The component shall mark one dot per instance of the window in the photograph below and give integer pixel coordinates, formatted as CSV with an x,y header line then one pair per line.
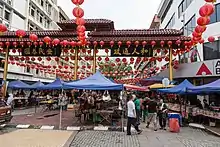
x,y
183,6
171,22
41,18
7,15
30,27
189,26
211,51
42,3
32,11
166,11
215,17
9,2
1,11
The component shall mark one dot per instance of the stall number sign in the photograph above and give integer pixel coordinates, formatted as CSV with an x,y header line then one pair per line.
x,y
43,50
132,51
217,68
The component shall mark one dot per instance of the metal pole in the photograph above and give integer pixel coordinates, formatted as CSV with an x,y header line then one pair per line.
x,y
76,64
94,60
122,117
5,72
61,106
170,65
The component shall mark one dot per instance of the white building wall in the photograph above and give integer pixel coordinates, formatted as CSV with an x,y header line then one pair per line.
x,y
193,9
20,5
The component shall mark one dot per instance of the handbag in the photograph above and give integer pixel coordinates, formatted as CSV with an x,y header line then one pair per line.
x,y
106,96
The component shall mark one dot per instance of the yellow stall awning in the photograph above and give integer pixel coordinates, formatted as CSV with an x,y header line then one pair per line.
x,y
158,86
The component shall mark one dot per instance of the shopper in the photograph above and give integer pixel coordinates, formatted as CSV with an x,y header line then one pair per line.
x,y
152,114
137,103
162,114
131,116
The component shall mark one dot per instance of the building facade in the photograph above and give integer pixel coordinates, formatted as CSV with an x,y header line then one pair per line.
x,y
183,14
29,15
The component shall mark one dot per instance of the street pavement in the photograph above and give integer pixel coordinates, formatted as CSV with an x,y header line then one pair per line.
x,y
188,137
34,138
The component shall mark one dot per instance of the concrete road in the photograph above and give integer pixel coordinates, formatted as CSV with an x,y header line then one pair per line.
x,y
34,138
188,137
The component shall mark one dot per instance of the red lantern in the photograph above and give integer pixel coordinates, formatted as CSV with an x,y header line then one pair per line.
x,y
178,42
39,59
20,33
119,43
107,59
211,39
117,60
101,43
33,37
162,43
111,43
202,21
128,43
80,21
206,10
132,59
158,51
78,12
3,28
56,59
210,1
56,42
99,58
144,43
124,60
81,28
78,2
137,43
153,43
47,40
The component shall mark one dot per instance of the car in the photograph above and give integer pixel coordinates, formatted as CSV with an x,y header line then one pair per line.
x,y
5,112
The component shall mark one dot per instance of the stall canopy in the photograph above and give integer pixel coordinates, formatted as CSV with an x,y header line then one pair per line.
x,y
158,86
211,87
94,82
37,85
18,85
178,89
55,85
134,87
151,80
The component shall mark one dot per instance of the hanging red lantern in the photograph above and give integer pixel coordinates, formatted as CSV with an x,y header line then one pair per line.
x,y
56,59
66,58
178,42
132,59
20,33
106,50
145,59
119,43
128,43
112,43
159,59
162,43
211,39
79,43
144,43
117,59
33,37
202,21
136,43
158,51
201,41
47,40
81,28
39,59
32,59
101,43
167,59
124,60
206,10
78,2
195,34
169,43
99,58
95,43
3,28
175,67
56,42
200,29
107,59
78,12
80,21
153,43
72,43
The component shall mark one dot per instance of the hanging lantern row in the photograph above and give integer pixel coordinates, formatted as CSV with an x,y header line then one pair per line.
x,y
210,1
205,12
78,12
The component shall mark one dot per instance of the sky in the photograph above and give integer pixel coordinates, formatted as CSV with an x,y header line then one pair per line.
x,y
127,14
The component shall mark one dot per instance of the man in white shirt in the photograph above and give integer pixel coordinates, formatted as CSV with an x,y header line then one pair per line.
x,y
131,116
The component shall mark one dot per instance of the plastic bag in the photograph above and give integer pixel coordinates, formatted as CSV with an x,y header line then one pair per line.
x,y
174,125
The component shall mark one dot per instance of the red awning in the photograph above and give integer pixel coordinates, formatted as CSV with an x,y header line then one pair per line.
x,y
133,87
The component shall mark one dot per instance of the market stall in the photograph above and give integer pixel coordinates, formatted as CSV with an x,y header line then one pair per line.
x,y
97,82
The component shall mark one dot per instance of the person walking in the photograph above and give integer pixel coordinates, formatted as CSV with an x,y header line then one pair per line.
x,y
137,103
152,114
145,108
162,114
131,116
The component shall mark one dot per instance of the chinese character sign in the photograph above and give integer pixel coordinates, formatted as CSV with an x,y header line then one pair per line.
x,y
43,50
132,51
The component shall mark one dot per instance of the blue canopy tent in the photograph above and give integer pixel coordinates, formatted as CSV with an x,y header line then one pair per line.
x,y
94,82
36,85
179,89
18,85
55,85
211,87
